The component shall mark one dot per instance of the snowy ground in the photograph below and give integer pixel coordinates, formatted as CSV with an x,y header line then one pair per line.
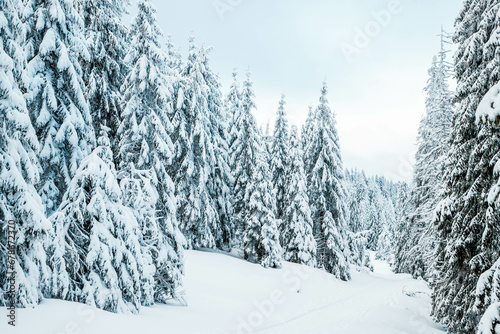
x,y
227,295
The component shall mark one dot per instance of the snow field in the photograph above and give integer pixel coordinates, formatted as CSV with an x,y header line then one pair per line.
x,y
227,295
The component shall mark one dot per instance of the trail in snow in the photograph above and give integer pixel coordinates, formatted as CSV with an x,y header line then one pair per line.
x,y
227,295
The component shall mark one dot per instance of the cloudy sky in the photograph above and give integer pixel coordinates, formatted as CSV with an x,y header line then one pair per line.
x,y
374,54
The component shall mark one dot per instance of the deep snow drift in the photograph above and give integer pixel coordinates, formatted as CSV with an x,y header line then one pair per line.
x,y
227,295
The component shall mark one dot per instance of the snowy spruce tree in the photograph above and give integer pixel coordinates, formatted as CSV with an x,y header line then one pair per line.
x,y
232,109
260,234
279,161
433,146
326,192
488,299
203,179
267,141
146,152
99,237
253,193
104,71
55,93
174,57
193,155
296,234
487,292
19,201
243,154
466,221
307,135
221,185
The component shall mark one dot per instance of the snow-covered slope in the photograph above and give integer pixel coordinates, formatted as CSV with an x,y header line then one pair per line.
x,y
227,295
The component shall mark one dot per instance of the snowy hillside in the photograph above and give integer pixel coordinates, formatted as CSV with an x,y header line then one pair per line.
x,y
228,295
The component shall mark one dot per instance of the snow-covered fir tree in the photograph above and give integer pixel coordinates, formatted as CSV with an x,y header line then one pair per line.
x,y
267,141
104,71
254,203
203,179
487,292
243,154
146,152
296,234
139,193
260,234
488,298
19,201
55,93
99,237
232,108
174,56
221,178
327,192
433,146
306,138
467,236
193,154
279,162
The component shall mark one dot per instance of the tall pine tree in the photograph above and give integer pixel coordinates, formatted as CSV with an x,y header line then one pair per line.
x,y
243,154
326,191
55,93
146,151
433,146
232,107
100,237
203,178
260,234
104,71
19,173
253,192
279,158
298,240
467,234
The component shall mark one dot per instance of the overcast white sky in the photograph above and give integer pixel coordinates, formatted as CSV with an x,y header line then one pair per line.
x,y
291,46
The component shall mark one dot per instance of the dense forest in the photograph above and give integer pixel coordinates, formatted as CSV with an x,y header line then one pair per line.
x,y
118,153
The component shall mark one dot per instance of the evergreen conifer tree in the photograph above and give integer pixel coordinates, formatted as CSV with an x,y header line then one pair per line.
x,y
104,71
56,95
298,240
433,146
327,192
146,152
279,161
19,201
467,237
203,178
99,237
